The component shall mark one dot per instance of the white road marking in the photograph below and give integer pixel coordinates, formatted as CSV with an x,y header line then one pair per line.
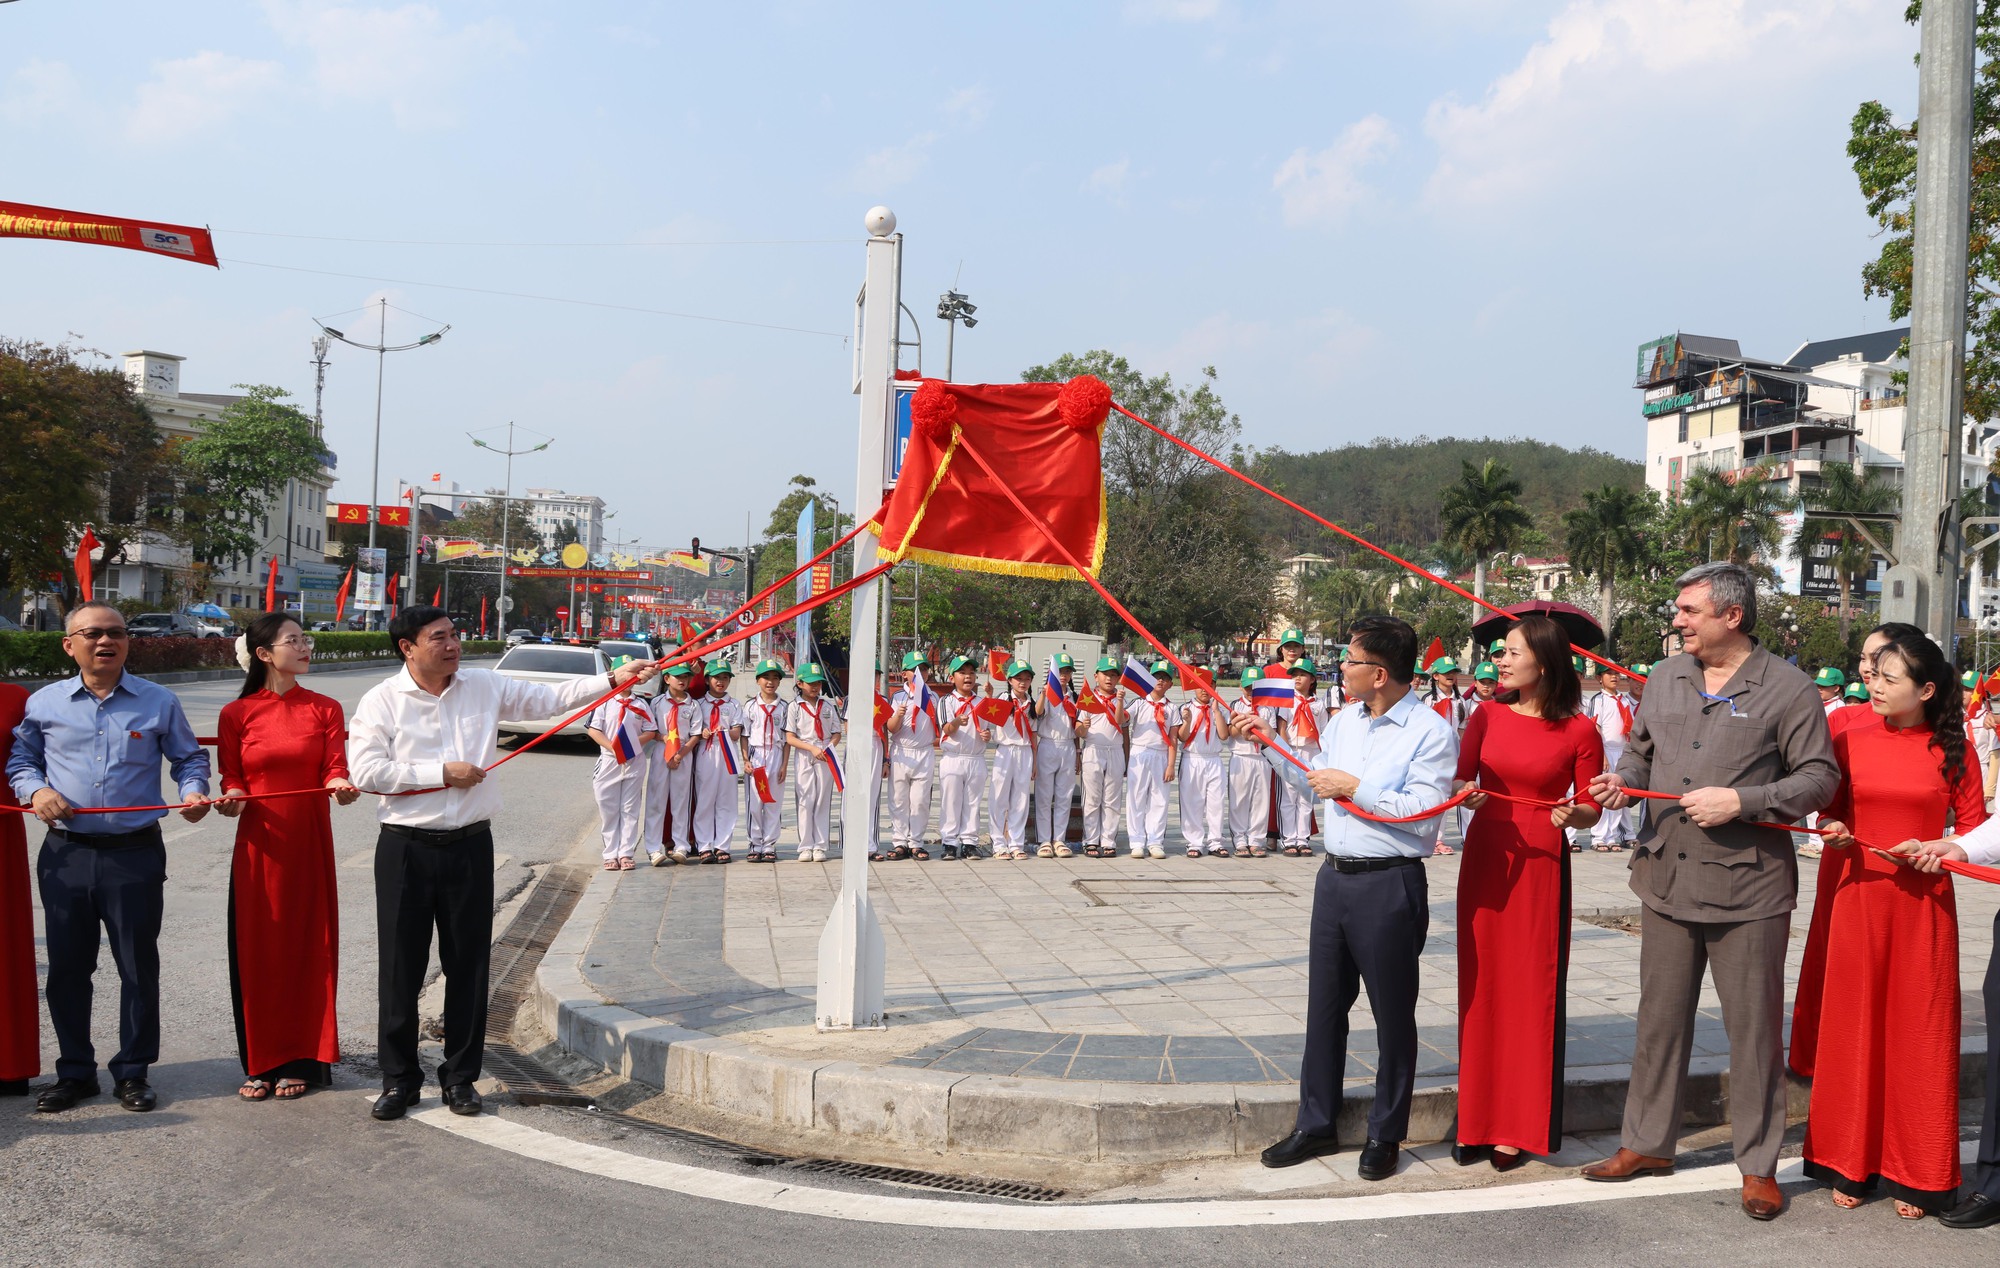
x,y
873,1208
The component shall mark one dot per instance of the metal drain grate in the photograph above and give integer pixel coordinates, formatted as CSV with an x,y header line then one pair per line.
x,y
1015,1189
516,955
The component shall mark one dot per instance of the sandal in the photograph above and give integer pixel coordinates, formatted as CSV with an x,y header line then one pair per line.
x,y
1046,851
1194,851
900,853
1259,852
919,853
704,856
1292,851
1444,849
1090,851
255,1090
722,856
1907,1212
611,865
1845,1201
624,865
290,1089
1605,849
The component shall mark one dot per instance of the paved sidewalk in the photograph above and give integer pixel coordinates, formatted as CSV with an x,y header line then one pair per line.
x,y
1185,977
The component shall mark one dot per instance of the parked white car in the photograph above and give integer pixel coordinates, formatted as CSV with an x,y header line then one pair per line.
x,y
552,663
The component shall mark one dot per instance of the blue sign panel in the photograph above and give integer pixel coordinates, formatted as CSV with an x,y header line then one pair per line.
x,y
899,441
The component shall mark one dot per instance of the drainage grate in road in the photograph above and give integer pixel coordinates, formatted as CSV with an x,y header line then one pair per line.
x,y
973,1185
516,955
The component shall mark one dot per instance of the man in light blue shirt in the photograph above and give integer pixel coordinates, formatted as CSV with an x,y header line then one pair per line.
x,y
98,740
1387,755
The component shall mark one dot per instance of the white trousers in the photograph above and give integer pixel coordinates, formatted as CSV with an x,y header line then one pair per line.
x,y
1055,781
814,784
714,799
1204,799
1146,798
1615,826
1249,798
1103,793
676,798
958,780
1294,816
1007,792
619,790
761,821
910,774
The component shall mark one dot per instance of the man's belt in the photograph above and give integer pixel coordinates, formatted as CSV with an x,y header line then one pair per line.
x,y
436,836
147,835
1349,866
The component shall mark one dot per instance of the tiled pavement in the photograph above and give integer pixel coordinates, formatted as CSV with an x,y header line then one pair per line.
x,y
1122,970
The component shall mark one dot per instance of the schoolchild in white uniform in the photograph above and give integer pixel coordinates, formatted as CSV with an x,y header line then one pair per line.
x,y
961,762
814,729
1204,791
718,765
1150,766
1013,776
1103,766
1612,709
765,718
677,716
1303,730
1055,766
622,728
913,738
1249,779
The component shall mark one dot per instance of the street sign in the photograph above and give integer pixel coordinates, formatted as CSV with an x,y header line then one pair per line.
x,y
562,612
899,442
506,604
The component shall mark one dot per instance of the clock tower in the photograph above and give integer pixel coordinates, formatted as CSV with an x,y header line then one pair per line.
x,y
154,373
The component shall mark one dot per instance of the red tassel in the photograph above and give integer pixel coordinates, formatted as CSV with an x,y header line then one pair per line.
x,y
934,412
1083,402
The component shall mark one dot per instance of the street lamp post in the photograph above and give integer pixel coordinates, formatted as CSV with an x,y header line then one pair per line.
x,y
381,348
506,500
954,308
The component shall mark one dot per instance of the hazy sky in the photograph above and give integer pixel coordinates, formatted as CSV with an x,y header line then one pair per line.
x,y
1453,217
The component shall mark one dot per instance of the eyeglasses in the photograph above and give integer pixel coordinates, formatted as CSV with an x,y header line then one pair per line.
x,y
1349,664
303,642
93,634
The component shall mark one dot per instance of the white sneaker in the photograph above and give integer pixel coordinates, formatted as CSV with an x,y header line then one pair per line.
x,y
658,858
819,855
1138,851
1157,851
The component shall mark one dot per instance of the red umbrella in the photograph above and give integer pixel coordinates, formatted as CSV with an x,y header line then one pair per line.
x,y
1580,626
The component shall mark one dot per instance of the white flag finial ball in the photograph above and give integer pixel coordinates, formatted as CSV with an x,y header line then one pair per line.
x,y
881,222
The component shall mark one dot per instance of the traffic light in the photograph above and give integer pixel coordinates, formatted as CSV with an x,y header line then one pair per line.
x,y
694,548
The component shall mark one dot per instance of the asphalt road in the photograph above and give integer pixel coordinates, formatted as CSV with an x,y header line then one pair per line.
x,y
209,1179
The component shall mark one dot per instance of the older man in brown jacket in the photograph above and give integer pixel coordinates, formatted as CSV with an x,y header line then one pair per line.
x,y
1739,737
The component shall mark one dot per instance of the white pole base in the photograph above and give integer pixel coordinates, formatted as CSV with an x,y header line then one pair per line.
x,y
851,966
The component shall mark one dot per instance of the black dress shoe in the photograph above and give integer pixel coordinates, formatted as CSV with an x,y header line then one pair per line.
x,y
1378,1159
13,1087
136,1095
1467,1155
1298,1147
392,1103
1977,1211
1507,1162
64,1094
463,1098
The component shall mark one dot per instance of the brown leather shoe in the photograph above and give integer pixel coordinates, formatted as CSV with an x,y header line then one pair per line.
x,y
1626,1165
1762,1199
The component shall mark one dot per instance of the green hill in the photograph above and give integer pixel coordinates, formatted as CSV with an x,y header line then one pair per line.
x,y
1387,490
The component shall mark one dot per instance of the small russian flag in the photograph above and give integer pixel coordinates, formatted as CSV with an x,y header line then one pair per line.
x,y
1052,687
926,699
623,749
728,751
1137,679
1274,691
833,764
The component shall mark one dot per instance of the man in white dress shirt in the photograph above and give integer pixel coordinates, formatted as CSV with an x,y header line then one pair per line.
x,y
435,726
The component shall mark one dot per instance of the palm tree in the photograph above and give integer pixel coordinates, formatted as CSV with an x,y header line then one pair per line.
x,y
1854,490
1342,595
1482,514
1734,519
1605,537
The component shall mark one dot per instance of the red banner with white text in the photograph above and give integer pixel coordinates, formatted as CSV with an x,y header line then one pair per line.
x,y
183,242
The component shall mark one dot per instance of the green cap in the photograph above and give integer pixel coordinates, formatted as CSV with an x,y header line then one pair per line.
x,y
1063,661
683,670
768,666
1292,636
1968,680
1343,651
811,672
958,663
1643,669
915,660
720,669
1108,665
1251,677
1497,645
1017,667
1163,669
619,662
1856,691
1304,665
1577,661
1829,676
1444,665
1486,671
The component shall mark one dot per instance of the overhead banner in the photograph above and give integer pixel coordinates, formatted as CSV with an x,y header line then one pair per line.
x,y
184,242
639,577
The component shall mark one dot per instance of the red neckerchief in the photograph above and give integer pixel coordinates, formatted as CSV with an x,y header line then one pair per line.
x,y
1205,728
812,709
1160,719
770,721
715,717
1624,714
1020,718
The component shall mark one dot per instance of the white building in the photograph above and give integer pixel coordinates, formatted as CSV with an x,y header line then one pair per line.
x,y
292,529
549,509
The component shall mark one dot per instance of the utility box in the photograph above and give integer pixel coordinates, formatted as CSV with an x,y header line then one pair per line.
x,y
1905,590
1036,648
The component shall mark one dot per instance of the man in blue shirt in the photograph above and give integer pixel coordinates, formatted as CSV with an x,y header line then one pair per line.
x,y
97,740
1388,754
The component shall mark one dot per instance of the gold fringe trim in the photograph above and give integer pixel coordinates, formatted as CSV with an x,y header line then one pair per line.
x,y
1005,567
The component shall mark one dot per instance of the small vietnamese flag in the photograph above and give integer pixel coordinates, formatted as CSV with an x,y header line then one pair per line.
x,y
340,599
85,581
763,783
1432,654
395,588
882,715
1087,700
996,664
994,710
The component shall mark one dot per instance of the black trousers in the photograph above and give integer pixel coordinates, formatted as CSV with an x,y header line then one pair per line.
x,y
1367,927
118,884
1985,1177
418,886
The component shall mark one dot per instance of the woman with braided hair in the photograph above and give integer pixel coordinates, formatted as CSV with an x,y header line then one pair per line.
x,y
1885,1069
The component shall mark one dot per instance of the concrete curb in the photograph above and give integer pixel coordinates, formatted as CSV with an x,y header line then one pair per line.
x,y
1049,1118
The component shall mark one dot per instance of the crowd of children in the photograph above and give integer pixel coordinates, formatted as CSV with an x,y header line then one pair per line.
x,y
1000,761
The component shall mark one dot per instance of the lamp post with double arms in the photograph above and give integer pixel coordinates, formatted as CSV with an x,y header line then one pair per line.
x,y
507,498
954,308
